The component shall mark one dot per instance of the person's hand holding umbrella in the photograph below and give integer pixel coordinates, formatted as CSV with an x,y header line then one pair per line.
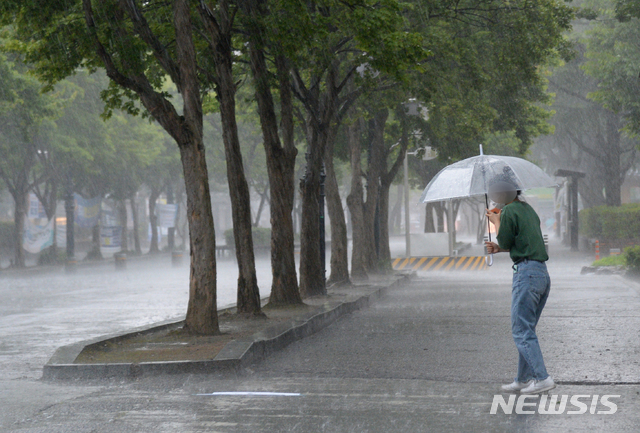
x,y
494,218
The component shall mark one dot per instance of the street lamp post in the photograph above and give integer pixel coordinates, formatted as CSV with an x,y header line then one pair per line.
x,y
407,218
428,155
413,108
323,248
450,226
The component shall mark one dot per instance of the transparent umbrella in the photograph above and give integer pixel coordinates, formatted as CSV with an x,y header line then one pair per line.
x,y
470,177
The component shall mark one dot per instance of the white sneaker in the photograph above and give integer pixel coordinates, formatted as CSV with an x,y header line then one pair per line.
x,y
516,386
539,386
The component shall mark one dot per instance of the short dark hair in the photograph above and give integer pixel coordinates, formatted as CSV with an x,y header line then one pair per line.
x,y
507,178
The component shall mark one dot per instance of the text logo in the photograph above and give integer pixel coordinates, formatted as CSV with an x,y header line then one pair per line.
x,y
555,404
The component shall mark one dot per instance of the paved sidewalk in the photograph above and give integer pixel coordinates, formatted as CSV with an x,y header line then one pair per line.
x,y
427,358
456,327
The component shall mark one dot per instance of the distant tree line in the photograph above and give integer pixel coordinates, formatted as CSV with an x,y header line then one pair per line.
x,y
597,101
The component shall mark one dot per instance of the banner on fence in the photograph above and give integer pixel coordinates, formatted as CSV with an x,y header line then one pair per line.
x,y
110,239
87,212
37,237
36,209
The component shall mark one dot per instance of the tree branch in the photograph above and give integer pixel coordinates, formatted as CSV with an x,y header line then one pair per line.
x,y
10,186
570,92
581,145
160,52
388,177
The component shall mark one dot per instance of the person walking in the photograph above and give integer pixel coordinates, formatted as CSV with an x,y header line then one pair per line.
x,y
518,233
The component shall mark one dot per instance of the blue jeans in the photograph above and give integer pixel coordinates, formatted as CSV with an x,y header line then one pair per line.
x,y
531,285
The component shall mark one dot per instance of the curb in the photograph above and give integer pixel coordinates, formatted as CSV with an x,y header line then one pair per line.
x,y
234,356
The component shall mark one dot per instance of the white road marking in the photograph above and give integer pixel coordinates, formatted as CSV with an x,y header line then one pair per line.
x,y
252,393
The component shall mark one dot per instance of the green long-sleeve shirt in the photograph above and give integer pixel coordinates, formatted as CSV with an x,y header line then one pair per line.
x,y
520,233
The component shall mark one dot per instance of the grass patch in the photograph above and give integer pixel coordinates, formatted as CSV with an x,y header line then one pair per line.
x,y
618,260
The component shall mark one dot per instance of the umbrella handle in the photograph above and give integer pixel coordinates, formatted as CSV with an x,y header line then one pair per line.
x,y
488,260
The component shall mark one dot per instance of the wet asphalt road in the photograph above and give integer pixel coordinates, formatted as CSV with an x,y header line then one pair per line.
x,y
428,357
41,310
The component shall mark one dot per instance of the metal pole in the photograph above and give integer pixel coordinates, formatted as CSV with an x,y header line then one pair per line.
x,y
407,218
322,234
450,227
376,227
574,213
69,206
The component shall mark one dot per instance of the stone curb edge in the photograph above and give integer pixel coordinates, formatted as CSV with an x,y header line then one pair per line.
x,y
235,355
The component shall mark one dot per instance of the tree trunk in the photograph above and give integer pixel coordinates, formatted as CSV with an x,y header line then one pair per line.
x,y
295,214
608,141
312,278
395,216
284,288
153,220
219,25
182,228
136,222
439,208
19,216
69,208
612,159
263,200
384,252
202,316
376,166
248,292
281,169
322,107
187,131
386,179
429,226
455,208
613,189
171,231
122,216
339,257
51,209
49,202
355,203
95,253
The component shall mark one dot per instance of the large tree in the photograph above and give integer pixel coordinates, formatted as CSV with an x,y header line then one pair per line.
x,y
139,46
278,140
218,19
327,43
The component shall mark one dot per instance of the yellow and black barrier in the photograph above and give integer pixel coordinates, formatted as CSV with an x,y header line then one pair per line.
x,y
469,263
